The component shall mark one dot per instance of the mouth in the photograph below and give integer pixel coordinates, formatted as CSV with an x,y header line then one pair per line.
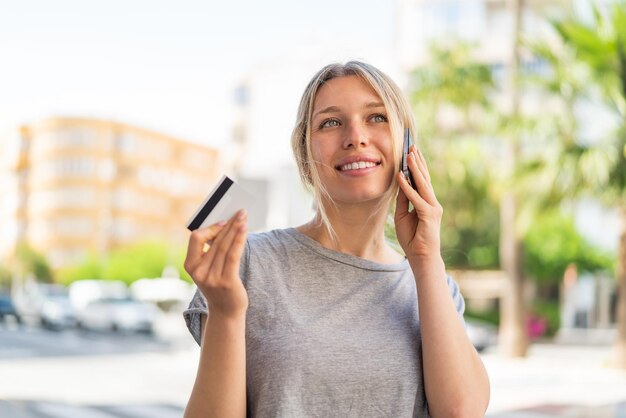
x,y
357,165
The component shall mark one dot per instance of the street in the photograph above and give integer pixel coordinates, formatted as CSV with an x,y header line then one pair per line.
x,y
77,374
74,374
556,381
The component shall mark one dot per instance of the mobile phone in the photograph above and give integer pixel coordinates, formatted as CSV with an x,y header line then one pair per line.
x,y
404,164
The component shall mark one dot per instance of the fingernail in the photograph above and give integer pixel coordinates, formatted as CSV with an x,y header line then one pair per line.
x,y
241,214
221,223
412,155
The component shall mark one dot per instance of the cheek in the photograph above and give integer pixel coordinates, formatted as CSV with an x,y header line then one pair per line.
x,y
321,156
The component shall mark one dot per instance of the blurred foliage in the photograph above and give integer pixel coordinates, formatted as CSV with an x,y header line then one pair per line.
x,y
451,99
490,316
131,263
29,261
470,224
459,105
586,66
90,268
451,95
553,242
135,262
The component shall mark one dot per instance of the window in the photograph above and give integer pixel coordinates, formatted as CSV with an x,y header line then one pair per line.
x,y
75,226
68,138
197,159
137,201
81,167
126,143
68,197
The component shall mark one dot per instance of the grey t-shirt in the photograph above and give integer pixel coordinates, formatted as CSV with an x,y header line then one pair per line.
x,y
327,334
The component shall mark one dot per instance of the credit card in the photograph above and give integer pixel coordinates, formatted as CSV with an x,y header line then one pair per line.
x,y
221,204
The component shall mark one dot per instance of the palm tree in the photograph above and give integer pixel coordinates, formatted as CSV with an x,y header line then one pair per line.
x,y
589,63
513,338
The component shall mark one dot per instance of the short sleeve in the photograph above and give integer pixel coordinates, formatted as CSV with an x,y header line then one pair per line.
x,y
198,305
457,297
193,315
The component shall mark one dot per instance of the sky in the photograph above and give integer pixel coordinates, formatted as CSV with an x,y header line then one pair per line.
x,y
163,65
172,66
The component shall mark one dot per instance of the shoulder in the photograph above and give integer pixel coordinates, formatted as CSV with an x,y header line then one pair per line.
x,y
271,248
276,239
260,238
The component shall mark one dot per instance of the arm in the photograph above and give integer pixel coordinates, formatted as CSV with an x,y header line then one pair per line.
x,y
456,382
220,386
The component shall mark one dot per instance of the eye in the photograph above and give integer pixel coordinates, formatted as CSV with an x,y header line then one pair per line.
x,y
378,118
329,123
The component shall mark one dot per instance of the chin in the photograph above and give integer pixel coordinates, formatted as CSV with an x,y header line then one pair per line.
x,y
359,198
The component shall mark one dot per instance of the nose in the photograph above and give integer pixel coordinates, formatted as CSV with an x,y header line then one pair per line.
x,y
355,136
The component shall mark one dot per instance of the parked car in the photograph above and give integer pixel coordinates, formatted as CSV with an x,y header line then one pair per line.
x,y
167,292
44,304
118,314
7,310
83,292
57,313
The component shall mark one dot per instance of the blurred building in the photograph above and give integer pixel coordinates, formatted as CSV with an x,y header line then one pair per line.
x,y
74,186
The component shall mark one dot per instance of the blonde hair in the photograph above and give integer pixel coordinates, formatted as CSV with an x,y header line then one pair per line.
x,y
399,116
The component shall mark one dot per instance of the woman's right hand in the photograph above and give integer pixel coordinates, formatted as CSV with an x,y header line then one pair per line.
x,y
216,271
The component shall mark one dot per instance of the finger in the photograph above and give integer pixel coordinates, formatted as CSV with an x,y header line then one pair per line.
x,y
197,239
231,268
410,193
413,155
223,251
201,271
423,185
402,202
209,258
422,161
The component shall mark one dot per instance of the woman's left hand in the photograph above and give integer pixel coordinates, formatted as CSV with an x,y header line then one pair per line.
x,y
418,231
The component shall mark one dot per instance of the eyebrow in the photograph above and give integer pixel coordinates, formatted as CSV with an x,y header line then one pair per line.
x,y
335,109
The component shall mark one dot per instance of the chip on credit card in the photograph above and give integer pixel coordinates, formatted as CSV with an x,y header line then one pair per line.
x,y
226,198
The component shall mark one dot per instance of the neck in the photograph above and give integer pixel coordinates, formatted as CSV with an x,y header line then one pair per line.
x,y
359,230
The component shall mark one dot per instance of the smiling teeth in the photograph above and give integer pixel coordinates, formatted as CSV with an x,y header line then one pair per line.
x,y
356,166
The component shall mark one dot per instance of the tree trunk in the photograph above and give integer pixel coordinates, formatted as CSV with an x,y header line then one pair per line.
x,y
513,340
620,273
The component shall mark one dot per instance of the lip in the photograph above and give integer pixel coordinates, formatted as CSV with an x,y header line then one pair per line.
x,y
358,158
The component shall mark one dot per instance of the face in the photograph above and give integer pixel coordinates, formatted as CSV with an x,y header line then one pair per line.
x,y
351,141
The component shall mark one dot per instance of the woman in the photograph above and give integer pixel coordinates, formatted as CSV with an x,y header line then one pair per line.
x,y
326,319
